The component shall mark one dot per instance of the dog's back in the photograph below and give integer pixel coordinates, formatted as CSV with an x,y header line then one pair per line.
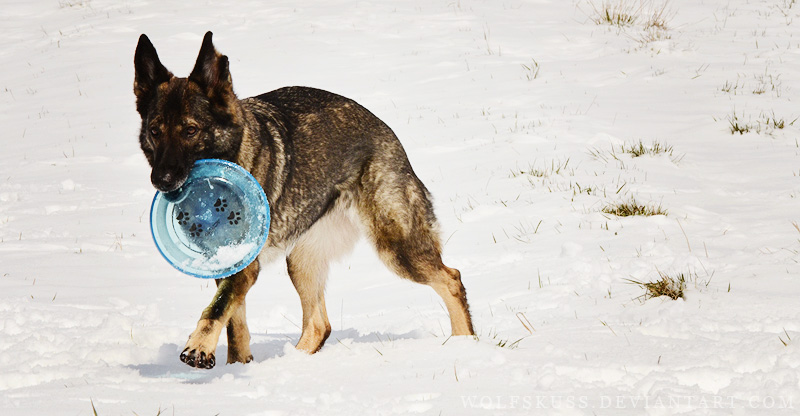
x,y
323,144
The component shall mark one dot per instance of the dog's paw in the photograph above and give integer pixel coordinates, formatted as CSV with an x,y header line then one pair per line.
x,y
199,349
199,360
236,358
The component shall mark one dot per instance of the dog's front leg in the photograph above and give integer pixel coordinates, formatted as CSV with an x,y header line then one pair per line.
x,y
231,291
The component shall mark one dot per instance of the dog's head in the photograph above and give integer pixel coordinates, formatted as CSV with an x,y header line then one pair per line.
x,y
185,119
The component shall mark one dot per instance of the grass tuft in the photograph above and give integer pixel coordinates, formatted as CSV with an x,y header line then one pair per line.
x,y
774,123
766,123
670,286
636,149
621,13
557,167
631,208
730,87
651,16
737,126
658,17
640,149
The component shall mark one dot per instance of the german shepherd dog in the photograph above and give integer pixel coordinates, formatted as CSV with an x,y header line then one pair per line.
x,y
331,170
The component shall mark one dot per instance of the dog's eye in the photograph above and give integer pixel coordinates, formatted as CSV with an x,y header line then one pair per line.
x,y
155,132
191,131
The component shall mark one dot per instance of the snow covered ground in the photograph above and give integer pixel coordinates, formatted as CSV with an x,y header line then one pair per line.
x,y
513,113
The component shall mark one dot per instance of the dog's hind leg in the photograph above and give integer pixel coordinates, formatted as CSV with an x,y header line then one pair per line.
x,y
227,309
396,210
424,265
447,284
330,237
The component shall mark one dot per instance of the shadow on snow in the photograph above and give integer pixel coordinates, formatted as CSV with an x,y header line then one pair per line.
x,y
263,347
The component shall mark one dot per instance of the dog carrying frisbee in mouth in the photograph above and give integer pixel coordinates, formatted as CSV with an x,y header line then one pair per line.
x,y
330,169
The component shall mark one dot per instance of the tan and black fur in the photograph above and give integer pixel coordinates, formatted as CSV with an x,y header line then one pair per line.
x,y
331,170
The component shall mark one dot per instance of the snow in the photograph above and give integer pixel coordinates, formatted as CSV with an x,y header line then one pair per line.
x,y
223,258
90,313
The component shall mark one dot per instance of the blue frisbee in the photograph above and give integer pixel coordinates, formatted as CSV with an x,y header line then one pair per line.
x,y
215,224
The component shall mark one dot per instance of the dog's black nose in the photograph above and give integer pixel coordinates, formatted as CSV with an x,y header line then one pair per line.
x,y
166,181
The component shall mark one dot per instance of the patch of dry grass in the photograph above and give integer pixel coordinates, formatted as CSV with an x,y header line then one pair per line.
x,y
631,208
672,287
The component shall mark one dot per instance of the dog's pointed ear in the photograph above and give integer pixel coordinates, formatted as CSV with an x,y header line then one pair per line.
x,y
150,73
211,69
